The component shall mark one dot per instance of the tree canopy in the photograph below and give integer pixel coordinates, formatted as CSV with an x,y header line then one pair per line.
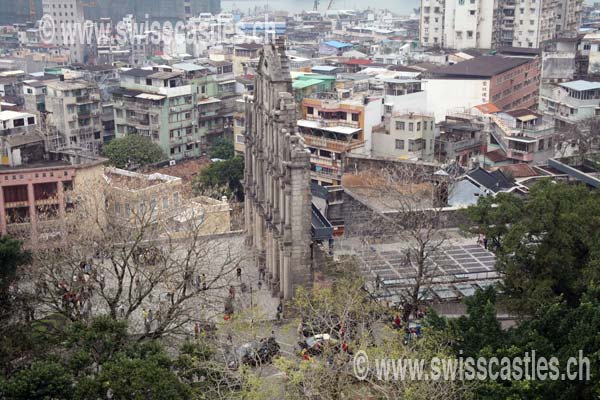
x,y
222,178
222,148
555,330
132,150
547,247
92,359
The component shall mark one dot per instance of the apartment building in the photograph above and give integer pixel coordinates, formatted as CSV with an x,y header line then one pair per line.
x,y
570,103
34,96
470,24
161,105
211,120
68,14
432,23
220,85
507,82
463,24
462,136
521,136
331,127
407,136
73,110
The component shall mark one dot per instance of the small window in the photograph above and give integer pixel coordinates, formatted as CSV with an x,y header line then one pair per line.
x,y
399,144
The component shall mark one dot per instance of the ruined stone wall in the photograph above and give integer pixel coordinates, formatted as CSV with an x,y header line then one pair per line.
x,y
277,178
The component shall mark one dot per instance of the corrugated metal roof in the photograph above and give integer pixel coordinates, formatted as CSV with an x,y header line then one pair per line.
x,y
337,44
189,67
301,84
581,85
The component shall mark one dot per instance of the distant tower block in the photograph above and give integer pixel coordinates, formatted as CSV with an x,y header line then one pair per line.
x,y
277,178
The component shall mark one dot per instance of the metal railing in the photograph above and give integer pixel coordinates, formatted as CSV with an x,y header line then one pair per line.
x,y
332,122
464,144
331,144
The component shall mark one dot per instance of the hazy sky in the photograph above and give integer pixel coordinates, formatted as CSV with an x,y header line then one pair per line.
x,y
398,6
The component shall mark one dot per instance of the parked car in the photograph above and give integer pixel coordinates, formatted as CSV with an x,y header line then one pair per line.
x,y
314,345
256,353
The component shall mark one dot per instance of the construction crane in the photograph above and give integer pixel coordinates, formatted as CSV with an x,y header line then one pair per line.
x,y
316,5
329,5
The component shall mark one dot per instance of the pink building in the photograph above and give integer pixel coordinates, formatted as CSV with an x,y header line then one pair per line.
x,y
34,198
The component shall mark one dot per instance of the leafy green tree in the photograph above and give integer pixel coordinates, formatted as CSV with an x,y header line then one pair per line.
x,y
222,178
132,150
12,256
42,380
554,330
547,247
96,343
480,328
134,378
222,148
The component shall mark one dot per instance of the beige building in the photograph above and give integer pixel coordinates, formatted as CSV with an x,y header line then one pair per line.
x,y
135,198
242,54
406,136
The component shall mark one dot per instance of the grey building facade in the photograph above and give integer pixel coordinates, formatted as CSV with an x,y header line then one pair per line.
x,y
277,178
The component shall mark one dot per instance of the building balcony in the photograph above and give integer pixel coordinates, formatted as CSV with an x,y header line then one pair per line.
x,y
207,115
138,120
325,173
322,122
227,111
461,145
338,146
542,131
88,98
136,106
326,162
215,131
520,155
88,114
179,139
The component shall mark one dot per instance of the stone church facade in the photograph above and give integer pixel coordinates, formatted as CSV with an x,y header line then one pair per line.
x,y
277,178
